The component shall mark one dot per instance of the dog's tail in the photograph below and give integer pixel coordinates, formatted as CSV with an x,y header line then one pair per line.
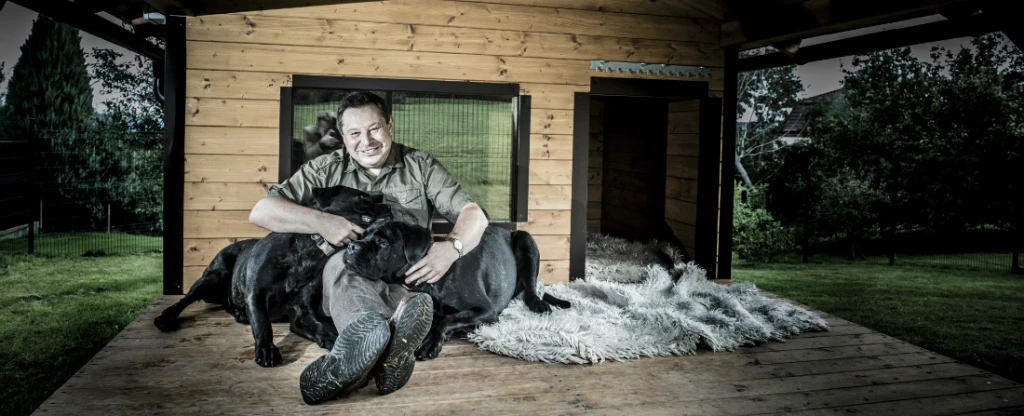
x,y
527,255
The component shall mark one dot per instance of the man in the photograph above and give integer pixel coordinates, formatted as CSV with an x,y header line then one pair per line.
x,y
321,138
368,313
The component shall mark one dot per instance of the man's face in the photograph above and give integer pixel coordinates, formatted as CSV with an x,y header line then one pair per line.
x,y
367,135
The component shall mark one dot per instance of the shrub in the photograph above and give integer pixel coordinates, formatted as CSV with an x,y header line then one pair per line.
x,y
756,235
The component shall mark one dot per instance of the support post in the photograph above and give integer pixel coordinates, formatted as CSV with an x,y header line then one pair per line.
x,y
174,154
729,103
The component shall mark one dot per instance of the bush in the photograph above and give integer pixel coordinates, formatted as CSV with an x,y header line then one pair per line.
x,y
756,235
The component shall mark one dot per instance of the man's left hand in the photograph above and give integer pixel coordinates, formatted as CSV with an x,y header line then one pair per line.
x,y
434,265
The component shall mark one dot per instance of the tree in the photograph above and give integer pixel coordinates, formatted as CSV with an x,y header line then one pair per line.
x,y
764,99
123,158
49,86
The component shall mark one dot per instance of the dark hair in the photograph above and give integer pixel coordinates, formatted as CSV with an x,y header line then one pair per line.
x,y
360,99
326,116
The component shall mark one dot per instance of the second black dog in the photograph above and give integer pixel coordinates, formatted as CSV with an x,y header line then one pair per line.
x,y
277,277
473,292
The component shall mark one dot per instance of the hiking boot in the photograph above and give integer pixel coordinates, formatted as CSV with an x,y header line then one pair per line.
x,y
347,367
409,325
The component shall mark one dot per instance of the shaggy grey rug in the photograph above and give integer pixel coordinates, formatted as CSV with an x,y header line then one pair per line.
x,y
641,300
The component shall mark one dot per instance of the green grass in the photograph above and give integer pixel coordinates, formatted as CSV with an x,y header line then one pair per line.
x,y
973,316
56,313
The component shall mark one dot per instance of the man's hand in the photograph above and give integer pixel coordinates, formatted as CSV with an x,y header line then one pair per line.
x,y
338,231
329,141
434,265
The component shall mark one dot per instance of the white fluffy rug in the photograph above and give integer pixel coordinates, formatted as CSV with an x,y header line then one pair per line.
x,y
633,305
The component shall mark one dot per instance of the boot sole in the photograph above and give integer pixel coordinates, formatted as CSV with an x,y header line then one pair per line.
x,y
347,366
412,321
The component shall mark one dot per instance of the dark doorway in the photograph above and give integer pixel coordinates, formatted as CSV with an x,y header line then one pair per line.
x,y
632,197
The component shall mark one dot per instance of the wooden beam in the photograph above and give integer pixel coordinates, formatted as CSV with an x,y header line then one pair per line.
x,y
70,14
928,32
174,155
819,17
790,48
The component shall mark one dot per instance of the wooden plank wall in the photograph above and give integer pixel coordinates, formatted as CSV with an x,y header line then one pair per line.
x,y
237,63
681,171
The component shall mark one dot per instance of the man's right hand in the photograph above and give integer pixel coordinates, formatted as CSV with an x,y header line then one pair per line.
x,y
339,231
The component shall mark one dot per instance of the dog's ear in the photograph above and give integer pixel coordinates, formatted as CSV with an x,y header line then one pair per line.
x,y
322,196
417,242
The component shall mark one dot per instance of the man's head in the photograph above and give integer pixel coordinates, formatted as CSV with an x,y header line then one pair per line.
x,y
365,123
325,121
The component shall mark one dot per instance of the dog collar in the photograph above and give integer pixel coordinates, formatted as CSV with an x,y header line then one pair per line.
x,y
323,245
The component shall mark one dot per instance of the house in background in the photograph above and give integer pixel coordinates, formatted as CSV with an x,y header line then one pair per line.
x,y
797,128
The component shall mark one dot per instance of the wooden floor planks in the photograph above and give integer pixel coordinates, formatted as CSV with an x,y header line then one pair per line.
x,y
206,367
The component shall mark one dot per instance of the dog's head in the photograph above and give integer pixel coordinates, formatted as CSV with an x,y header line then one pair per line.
x,y
387,250
357,206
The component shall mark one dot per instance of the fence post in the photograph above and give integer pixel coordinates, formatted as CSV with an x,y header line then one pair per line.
x,y
1015,263
108,218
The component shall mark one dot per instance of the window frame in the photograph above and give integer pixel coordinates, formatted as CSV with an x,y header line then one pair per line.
x,y
519,182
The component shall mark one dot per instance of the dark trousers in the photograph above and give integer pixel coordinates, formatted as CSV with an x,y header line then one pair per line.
x,y
348,296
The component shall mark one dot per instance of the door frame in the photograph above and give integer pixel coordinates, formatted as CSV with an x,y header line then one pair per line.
x,y
623,87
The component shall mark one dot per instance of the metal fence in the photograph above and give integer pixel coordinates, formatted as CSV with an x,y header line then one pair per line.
x,y
472,136
81,192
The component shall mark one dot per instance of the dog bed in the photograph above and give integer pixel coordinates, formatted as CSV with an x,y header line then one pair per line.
x,y
641,299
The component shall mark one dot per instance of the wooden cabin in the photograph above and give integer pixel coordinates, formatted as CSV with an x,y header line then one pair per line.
x,y
240,67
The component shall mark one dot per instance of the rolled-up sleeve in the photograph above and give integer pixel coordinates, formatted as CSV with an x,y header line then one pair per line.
x,y
299,187
444,192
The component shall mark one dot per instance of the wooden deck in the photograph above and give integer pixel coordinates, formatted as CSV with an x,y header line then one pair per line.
x,y
206,368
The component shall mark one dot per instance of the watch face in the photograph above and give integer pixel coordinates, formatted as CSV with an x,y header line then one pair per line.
x,y
458,244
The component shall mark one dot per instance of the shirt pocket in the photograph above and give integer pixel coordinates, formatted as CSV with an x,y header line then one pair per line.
x,y
409,204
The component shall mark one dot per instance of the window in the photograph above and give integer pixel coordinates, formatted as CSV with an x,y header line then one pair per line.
x,y
478,131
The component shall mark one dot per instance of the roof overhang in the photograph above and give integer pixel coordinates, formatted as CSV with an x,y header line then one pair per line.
x,y
787,24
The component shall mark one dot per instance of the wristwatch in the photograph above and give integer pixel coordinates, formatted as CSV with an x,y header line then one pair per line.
x,y
457,244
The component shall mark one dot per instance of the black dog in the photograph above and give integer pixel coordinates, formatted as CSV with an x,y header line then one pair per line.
x,y
279,276
473,292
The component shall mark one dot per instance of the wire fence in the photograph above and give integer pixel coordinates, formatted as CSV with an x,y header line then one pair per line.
x,y
84,191
472,136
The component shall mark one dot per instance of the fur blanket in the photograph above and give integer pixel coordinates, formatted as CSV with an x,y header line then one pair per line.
x,y
641,300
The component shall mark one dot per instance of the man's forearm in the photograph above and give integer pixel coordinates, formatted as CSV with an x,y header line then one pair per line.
x,y
284,216
470,226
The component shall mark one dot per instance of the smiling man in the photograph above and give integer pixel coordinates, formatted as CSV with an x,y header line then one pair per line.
x,y
380,325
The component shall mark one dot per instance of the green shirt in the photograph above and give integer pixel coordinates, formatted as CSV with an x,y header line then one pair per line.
x,y
412,181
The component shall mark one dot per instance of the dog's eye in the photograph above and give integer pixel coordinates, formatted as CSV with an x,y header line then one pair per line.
x,y
367,219
382,243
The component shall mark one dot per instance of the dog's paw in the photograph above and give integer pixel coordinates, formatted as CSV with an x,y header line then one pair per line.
x,y
166,323
268,356
538,306
556,302
326,342
431,347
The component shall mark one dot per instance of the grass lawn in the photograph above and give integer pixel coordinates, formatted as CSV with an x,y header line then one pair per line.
x,y
973,316
56,313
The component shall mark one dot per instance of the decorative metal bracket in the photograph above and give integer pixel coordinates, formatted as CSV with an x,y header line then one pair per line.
x,y
653,69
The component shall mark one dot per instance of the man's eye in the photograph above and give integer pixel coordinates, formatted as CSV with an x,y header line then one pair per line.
x,y
374,130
